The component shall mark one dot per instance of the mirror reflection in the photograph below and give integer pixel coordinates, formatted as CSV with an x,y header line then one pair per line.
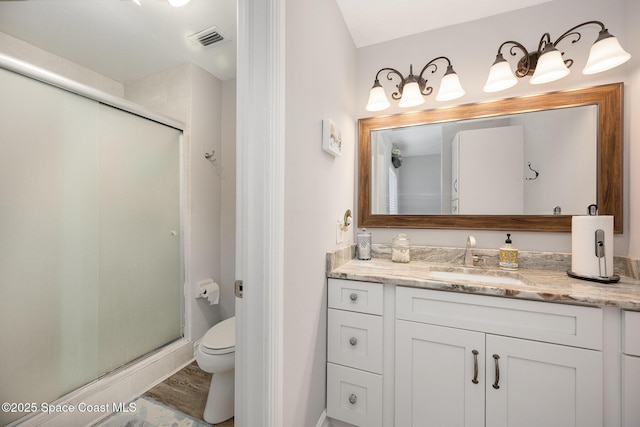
x,y
556,168
534,163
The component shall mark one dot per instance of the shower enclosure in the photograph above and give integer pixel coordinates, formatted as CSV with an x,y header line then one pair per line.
x,y
91,268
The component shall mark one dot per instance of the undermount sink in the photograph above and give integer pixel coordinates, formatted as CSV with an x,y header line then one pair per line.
x,y
475,277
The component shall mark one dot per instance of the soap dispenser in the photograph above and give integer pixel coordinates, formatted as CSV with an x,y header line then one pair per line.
x,y
508,255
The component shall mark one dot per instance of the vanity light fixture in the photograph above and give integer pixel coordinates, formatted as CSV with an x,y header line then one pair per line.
x,y
412,89
547,63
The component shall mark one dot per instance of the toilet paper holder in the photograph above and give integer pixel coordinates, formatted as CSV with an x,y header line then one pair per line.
x,y
209,290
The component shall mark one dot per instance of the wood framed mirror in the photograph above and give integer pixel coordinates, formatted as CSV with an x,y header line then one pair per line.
x,y
608,162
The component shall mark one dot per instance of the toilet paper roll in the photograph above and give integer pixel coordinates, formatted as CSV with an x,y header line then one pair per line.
x,y
584,260
210,290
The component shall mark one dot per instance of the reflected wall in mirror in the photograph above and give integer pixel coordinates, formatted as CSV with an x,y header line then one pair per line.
x,y
524,163
535,163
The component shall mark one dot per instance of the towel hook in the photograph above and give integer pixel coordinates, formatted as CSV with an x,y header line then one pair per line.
x,y
534,171
210,156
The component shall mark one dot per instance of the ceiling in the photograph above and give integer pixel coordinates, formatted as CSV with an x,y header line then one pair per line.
x,y
126,41
377,21
123,40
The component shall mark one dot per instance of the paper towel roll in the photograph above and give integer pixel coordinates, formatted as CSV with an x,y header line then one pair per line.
x,y
584,260
210,290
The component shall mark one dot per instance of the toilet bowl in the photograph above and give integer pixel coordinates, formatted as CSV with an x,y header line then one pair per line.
x,y
216,354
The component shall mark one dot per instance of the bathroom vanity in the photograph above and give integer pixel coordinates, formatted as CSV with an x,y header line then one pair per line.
x,y
429,344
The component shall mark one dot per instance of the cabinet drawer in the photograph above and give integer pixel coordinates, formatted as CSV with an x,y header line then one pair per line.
x,y
354,396
363,297
554,323
631,332
355,339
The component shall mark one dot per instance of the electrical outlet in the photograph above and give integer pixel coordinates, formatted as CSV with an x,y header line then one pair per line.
x,y
339,233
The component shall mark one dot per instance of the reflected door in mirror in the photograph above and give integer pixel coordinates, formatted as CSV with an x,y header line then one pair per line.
x,y
487,171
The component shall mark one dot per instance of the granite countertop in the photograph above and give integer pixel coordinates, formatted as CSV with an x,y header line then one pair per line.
x,y
532,284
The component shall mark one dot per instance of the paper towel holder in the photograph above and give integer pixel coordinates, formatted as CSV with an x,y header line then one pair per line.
x,y
599,249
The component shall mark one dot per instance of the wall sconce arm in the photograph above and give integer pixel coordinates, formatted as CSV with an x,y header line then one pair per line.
x,y
422,81
390,74
573,32
527,62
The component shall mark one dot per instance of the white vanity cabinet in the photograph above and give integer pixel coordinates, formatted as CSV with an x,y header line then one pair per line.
x,y
631,369
470,360
355,352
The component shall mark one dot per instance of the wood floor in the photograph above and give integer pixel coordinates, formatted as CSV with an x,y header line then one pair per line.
x,y
186,391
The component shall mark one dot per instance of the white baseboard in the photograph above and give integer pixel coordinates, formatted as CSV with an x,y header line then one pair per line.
x,y
330,422
325,421
115,389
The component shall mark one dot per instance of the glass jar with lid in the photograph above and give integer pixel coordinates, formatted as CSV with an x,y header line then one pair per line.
x,y
363,245
400,251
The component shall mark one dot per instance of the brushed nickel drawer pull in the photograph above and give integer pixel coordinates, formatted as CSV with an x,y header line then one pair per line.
x,y
353,341
353,399
353,297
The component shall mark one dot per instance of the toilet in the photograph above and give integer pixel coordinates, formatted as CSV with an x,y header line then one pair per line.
x,y
216,354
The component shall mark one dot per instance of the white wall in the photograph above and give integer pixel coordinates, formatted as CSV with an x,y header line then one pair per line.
x,y
472,48
573,163
320,82
33,55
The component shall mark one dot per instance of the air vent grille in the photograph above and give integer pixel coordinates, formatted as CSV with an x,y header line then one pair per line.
x,y
208,37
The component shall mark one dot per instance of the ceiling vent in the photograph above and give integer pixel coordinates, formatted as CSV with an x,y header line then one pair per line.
x,y
208,37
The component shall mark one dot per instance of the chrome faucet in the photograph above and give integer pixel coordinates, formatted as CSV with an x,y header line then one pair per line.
x,y
468,253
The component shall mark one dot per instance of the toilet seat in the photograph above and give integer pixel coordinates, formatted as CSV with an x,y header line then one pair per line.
x,y
221,338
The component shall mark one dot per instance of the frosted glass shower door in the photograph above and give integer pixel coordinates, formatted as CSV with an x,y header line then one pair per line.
x,y
48,241
91,262
140,272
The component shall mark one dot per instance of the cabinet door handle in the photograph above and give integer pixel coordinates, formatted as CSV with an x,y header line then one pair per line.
x,y
475,367
353,399
353,341
495,384
353,297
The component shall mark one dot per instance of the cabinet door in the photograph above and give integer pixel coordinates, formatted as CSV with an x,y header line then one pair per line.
x,y
535,384
630,391
439,376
